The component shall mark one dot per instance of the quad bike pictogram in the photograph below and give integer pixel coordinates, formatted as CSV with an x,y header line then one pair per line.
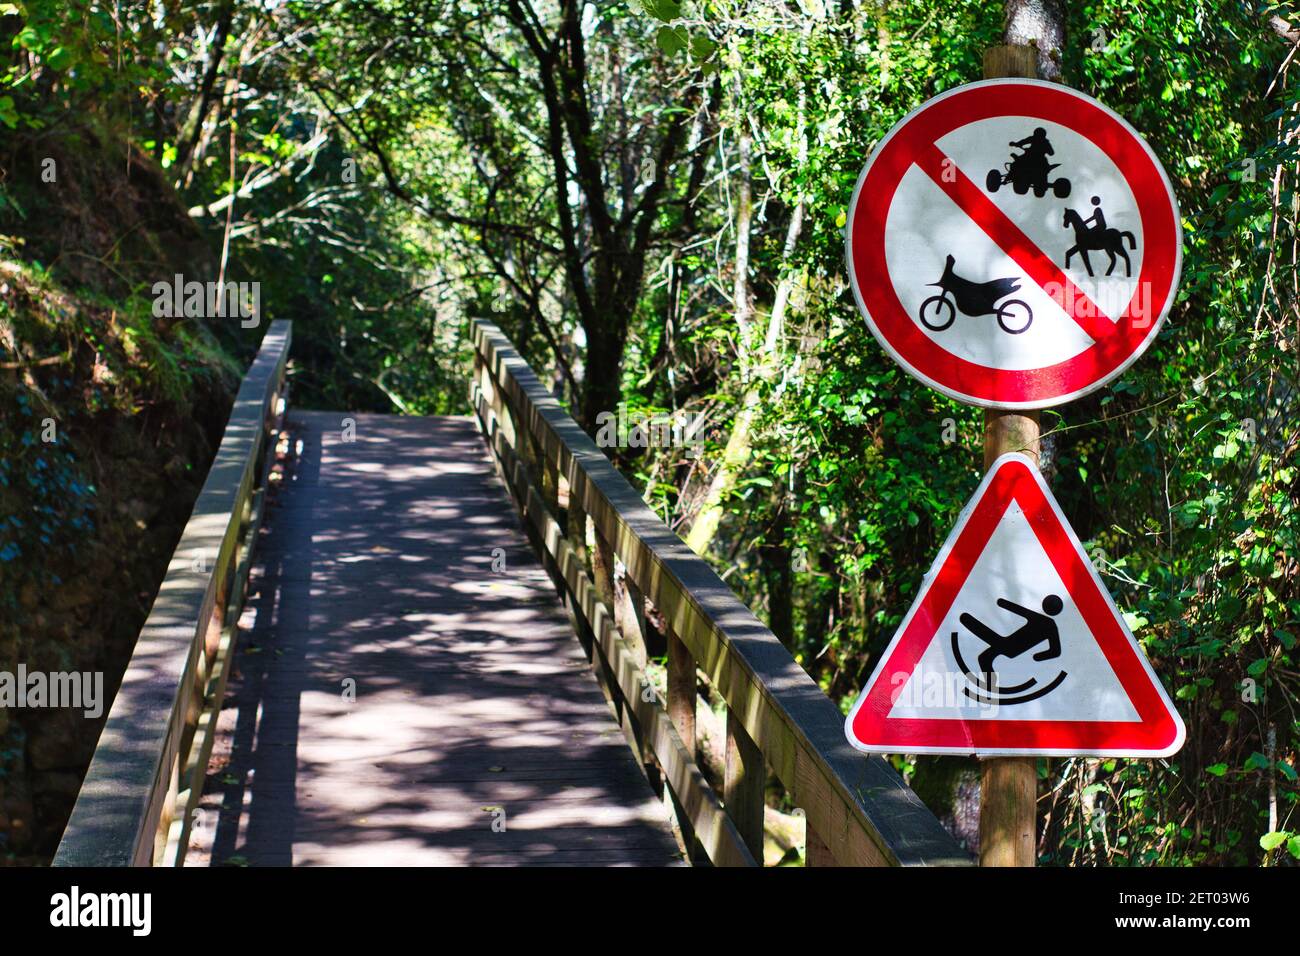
x,y
1029,169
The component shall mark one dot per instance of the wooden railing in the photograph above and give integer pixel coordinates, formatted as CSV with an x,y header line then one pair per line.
x,y
857,810
137,802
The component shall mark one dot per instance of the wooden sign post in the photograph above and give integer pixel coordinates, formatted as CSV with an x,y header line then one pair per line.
x,y
1009,785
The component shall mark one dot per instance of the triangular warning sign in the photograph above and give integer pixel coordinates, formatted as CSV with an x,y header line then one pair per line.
x,y
1014,646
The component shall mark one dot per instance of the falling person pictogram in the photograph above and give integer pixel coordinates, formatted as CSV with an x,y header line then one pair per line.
x,y
1039,628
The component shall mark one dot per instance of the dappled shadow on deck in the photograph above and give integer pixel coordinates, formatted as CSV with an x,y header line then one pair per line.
x,y
473,704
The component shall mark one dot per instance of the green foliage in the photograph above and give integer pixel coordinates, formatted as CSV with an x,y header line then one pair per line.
x,y
1181,476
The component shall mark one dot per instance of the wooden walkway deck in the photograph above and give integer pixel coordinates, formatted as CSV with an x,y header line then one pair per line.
x,y
473,703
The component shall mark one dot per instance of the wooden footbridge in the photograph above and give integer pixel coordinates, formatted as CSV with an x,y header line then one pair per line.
x,y
376,641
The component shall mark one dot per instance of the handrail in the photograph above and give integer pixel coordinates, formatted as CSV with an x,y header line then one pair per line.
x,y
857,809
153,752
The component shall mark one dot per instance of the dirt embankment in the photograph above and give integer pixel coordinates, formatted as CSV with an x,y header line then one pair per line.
x,y
109,418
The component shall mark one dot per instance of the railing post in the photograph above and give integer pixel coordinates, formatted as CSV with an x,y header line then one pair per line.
x,y
476,380
681,689
576,520
629,616
681,711
549,478
602,566
602,575
602,569
746,777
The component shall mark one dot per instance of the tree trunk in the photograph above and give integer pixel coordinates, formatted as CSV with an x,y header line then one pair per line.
x,y
775,556
187,147
754,375
740,441
602,386
1040,24
740,296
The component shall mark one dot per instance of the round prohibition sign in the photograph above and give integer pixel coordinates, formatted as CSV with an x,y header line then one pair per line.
x,y
1023,316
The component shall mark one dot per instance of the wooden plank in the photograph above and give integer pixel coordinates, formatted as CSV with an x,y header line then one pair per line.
x,y
875,816
134,772
815,851
470,692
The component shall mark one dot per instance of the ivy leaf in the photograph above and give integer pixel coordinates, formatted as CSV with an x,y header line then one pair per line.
x,y
1134,621
702,47
27,38
664,10
671,40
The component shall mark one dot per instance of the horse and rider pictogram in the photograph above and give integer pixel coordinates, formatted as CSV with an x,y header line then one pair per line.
x,y
1092,235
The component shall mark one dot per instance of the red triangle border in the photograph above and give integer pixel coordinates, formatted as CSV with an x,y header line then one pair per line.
x,y
1159,731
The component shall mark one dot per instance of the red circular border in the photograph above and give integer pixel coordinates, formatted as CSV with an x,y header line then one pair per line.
x,y
890,321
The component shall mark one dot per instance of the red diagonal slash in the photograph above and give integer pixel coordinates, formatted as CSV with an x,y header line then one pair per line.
x,y
999,227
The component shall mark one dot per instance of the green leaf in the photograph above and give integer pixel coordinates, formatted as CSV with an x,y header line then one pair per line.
x,y
671,40
1256,761
1293,846
1218,769
1271,841
702,47
664,10
60,58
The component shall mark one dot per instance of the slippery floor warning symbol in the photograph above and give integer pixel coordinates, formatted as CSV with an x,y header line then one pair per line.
x,y
1014,645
